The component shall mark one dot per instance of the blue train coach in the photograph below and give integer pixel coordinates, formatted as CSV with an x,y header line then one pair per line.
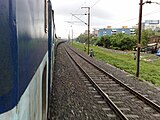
x,y
26,55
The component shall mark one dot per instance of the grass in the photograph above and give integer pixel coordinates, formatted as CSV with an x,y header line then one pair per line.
x,y
149,64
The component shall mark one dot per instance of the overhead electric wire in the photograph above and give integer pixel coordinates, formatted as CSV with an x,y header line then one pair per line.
x,y
85,3
153,12
86,11
79,19
80,7
78,10
95,3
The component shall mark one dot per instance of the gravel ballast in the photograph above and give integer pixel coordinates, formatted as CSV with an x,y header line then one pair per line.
x,y
145,88
71,99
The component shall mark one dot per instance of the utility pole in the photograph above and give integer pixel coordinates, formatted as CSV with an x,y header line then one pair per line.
x,y
69,37
139,37
71,22
139,32
72,34
88,27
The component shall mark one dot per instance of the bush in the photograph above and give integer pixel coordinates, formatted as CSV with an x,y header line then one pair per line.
x,y
123,41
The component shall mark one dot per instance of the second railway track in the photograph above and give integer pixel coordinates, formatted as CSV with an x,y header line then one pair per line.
x,y
126,103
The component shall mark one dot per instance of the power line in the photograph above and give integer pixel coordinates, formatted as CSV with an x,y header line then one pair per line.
x,y
84,5
153,12
95,3
90,7
79,9
80,5
78,18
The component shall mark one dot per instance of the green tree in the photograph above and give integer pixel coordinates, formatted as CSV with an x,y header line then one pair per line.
x,y
146,34
93,40
99,42
82,38
127,42
104,41
116,40
122,41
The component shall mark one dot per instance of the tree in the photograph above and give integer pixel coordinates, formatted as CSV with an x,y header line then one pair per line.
x,y
82,38
104,41
99,42
127,42
93,40
122,41
146,34
116,40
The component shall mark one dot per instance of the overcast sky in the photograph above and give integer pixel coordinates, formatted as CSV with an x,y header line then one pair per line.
x,y
115,13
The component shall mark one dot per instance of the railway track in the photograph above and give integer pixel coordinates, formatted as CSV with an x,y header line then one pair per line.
x,y
126,103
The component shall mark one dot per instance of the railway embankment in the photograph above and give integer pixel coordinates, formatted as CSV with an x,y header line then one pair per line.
x,y
72,98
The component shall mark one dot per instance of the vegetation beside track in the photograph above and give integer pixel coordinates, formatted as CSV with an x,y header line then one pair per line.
x,y
149,65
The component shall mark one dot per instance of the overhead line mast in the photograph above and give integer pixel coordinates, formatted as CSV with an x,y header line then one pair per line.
x,y
139,33
88,27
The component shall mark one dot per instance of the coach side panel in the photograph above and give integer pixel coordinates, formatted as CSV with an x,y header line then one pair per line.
x,y
24,58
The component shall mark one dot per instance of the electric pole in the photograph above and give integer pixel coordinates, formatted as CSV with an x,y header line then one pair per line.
x,y
139,37
88,27
139,32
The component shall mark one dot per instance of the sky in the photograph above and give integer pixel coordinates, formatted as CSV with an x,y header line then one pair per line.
x,y
115,13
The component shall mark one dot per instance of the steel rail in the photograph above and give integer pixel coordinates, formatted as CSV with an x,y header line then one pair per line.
x,y
138,95
100,91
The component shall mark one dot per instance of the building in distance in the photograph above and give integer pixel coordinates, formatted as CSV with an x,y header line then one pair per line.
x,y
152,24
111,31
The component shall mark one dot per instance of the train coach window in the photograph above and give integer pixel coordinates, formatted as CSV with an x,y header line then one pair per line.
x,y
45,16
